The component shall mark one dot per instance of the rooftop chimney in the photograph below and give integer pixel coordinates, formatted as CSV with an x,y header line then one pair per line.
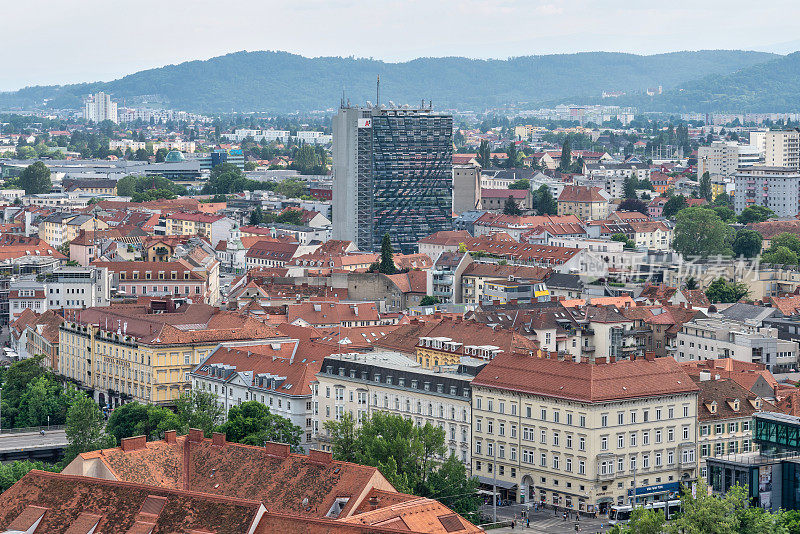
x,y
170,436
196,435
218,439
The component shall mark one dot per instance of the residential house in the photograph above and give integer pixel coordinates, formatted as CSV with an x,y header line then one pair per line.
x,y
587,203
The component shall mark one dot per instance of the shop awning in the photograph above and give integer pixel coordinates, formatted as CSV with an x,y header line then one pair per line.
x,y
488,481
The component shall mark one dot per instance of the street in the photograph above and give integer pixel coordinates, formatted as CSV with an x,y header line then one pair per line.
x,y
544,521
32,440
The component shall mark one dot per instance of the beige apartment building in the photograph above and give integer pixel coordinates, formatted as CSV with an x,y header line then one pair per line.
x,y
782,149
584,436
389,382
145,351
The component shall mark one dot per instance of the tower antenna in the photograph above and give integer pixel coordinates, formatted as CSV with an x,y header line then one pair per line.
x,y
378,93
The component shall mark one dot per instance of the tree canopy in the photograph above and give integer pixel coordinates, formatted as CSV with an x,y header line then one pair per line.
x,y
721,290
252,423
700,232
35,179
413,458
746,243
633,204
674,205
756,213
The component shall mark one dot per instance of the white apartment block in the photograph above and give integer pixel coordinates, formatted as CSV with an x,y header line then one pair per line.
x,y
718,159
712,338
271,372
314,138
270,135
777,188
389,382
65,287
782,149
99,108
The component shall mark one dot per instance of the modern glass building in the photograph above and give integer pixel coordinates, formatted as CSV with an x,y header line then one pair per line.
x,y
392,174
770,474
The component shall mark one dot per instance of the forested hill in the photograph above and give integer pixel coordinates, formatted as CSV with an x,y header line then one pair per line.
x,y
282,82
773,86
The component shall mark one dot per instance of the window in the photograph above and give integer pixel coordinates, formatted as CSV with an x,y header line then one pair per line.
x,y
621,418
490,427
604,420
569,419
544,414
646,416
581,443
633,463
646,438
658,436
658,414
568,465
670,413
620,441
686,411
685,433
555,417
658,459
745,426
604,443
569,441
633,439
555,462
582,421
543,460
645,461
477,447
477,425
670,434
633,417
581,467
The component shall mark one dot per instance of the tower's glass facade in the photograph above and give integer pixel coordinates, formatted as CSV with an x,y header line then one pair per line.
x,y
411,179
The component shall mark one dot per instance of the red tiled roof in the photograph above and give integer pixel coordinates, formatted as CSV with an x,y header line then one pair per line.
x,y
518,194
406,337
580,193
116,507
446,237
325,313
272,250
585,382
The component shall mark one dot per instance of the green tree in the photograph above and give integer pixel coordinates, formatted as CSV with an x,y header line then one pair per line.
x,y
785,239
566,155
780,256
135,419
250,165
252,423
705,186
543,201
622,238
514,156
35,179
15,384
44,400
429,300
198,409
10,473
629,187
522,184
674,205
343,437
725,213
753,214
85,429
451,485
256,216
723,199
484,155
161,155
721,290
633,204
225,178
747,243
386,265
511,207
644,521
700,232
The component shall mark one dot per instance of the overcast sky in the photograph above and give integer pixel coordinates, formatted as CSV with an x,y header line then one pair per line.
x,y
65,41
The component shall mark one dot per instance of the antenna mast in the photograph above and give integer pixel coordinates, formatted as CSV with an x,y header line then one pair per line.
x,y
378,93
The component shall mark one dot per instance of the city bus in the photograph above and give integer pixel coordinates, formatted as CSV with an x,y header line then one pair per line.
x,y
622,513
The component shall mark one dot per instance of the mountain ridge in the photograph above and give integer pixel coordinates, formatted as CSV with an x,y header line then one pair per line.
x,y
283,82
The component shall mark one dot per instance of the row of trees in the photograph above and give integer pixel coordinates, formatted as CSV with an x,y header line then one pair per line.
x,y
144,188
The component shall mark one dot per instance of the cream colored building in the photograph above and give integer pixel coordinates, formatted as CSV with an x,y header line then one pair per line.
x,y
61,228
584,436
136,352
782,149
389,382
